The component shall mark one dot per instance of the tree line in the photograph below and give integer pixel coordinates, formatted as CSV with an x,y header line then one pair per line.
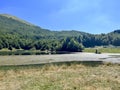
x,y
73,43
66,44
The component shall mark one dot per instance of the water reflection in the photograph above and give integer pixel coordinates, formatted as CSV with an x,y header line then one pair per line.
x,y
23,52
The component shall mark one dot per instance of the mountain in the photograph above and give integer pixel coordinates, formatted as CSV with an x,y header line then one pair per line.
x,y
15,18
13,25
18,33
116,31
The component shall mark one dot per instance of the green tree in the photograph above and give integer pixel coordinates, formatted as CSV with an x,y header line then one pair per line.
x,y
1,46
10,48
74,46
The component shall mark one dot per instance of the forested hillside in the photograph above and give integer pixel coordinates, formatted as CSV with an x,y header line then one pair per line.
x,y
19,34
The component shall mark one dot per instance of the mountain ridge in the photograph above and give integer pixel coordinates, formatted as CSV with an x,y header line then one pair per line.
x,y
16,18
25,22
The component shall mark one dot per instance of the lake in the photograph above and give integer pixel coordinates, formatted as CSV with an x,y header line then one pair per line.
x,y
30,52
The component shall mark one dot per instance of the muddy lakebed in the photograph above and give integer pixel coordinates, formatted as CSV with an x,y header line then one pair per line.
x,y
41,59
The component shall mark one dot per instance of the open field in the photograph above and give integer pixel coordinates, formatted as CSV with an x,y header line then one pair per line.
x,y
61,76
103,50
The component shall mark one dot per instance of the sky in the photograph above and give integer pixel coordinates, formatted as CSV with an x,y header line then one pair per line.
x,y
92,16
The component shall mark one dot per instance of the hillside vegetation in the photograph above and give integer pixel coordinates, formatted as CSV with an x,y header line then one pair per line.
x,y
19,34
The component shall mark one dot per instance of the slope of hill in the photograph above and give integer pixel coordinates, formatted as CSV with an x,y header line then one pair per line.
x,y
13,25
17,33
15,18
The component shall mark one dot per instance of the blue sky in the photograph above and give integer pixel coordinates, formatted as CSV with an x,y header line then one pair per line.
x,y
93,16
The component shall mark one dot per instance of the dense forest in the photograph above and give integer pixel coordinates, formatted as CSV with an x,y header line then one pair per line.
x,y
19,34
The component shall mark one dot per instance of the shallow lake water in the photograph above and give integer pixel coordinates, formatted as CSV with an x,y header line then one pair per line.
x,y
40,59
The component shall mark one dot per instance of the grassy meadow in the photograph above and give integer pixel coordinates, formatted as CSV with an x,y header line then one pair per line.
x,y
61,76
103,50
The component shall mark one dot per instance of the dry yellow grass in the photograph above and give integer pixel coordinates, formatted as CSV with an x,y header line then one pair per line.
x,y
61,77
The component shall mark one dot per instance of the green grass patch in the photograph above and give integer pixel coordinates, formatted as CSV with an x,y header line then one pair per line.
x,y
103,50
